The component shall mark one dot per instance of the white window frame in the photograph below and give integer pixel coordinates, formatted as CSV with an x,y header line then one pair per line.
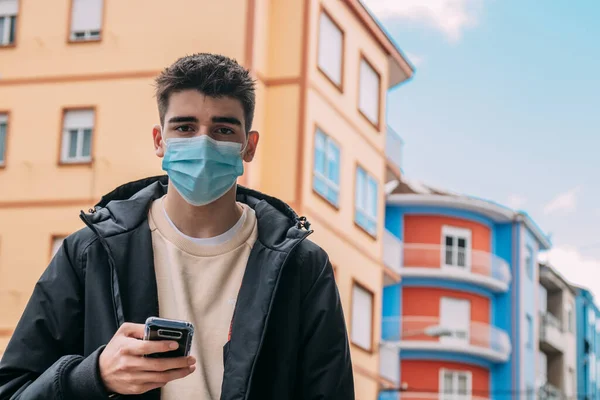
x,y
529,262
85,35
570,320
327,142
364,189
456,233
66,138
356,325
9,11
530,321
324,51
3,139
455,375
365,66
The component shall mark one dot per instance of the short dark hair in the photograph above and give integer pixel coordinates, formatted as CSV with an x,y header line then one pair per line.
x,y
211,74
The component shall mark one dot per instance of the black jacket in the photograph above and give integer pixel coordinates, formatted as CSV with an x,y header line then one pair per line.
x,y
288,338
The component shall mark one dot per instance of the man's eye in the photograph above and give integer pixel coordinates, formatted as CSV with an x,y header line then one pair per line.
x,y
184,128
225,131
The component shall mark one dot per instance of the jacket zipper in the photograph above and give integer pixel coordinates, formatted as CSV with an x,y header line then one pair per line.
x,y
111,263
301,223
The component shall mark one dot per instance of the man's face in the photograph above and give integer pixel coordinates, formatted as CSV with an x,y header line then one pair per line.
x,y
192,113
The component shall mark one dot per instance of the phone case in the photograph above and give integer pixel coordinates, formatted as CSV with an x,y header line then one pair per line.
x,y
168,329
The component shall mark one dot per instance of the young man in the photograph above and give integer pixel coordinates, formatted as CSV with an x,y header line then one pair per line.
x,y
194,247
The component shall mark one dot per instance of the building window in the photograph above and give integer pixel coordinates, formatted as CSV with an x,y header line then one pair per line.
x,y
362,317
455,385
3,132
331,49
78,126
570,319
86,20
57,241
9,9
366,201
455,317
369,92
456,243
326,171
529,262
529,331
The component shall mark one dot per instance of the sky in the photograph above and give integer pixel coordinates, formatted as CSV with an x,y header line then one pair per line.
x,y
505,105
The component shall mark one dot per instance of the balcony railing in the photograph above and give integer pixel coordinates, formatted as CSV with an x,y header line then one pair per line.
x,y
551,333
393,147
476,266
432,334
392,251
549,392
419,395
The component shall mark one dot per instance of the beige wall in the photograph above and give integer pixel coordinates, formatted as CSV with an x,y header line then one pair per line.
x,y
138,35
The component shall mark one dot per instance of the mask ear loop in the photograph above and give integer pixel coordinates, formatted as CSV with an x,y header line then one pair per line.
x,y
245,146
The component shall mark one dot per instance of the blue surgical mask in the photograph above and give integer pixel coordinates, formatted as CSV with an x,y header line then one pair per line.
x,y
202,169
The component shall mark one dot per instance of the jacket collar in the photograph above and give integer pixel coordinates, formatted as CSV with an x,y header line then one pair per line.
x,y
127,206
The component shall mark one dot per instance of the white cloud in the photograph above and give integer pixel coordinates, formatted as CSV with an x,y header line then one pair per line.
x,y
415,59
576,268
448,16
565,202
516,202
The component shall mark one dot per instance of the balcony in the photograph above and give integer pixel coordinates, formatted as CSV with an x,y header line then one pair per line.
x,y
393,149
419,395
551,334
429,333
389,364
479,267
549,392
392,252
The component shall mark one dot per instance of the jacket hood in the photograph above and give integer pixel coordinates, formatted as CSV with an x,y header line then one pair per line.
x,y
127,206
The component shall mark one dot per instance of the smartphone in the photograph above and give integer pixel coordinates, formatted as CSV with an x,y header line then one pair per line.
x,y
181,332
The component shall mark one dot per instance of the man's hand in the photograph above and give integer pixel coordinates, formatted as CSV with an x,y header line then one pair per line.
x,y
125,370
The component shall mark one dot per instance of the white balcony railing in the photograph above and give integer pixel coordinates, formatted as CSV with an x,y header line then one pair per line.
x,y
479,267
393,147
430,333
551,333
392,251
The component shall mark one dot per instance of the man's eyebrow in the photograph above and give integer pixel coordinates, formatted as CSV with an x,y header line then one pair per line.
x,y
227,120
174,120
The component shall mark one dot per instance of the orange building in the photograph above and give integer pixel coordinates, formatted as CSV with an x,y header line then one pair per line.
x,y
77,108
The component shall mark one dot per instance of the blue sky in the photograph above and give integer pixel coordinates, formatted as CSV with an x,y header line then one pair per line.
x,y
505,105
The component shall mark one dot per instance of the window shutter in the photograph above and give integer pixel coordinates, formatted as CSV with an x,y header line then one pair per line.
x,y
369,92
9,7
362,309
330,49
79,119
86,15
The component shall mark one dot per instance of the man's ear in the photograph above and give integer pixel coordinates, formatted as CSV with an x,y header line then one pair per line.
x,y
253,137
159,148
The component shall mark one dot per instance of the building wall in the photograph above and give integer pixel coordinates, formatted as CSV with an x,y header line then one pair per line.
x,y
427,229
528,306
570,354
423,377
425,302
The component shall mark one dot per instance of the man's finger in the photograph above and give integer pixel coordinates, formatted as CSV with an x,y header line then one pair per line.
x,y
160,378
143,347
132,330
150,364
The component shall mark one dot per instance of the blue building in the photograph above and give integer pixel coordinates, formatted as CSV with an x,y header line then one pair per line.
x,y
462,321
588,346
